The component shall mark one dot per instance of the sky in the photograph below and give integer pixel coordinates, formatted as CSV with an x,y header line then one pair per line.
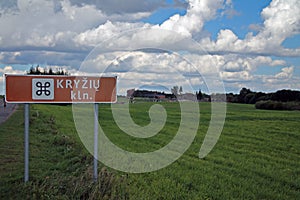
x,y
212,45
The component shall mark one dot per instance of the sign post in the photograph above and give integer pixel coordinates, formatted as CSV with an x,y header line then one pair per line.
x,y
26,142
59,89
96,142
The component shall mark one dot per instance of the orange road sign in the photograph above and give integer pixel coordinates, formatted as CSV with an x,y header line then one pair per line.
x,y
60,89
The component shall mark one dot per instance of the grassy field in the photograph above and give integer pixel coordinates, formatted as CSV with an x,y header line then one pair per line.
x,y
256,157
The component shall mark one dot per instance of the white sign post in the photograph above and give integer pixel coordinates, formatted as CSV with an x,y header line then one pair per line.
x,y
26,142
96,142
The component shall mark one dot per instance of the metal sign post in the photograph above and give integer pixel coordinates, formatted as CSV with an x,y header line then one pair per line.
x,y
96,141
26,141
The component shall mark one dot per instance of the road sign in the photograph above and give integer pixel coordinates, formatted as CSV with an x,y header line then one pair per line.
x,y
60,89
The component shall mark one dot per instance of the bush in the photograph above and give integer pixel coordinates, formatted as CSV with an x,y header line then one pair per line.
x,y
293,105
276,105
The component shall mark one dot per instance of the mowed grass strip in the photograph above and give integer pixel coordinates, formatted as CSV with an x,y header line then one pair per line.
x,y
256,157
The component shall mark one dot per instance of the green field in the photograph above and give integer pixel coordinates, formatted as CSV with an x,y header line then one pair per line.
x,y
256,157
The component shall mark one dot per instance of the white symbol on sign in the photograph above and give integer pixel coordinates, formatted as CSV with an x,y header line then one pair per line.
x,y
42,89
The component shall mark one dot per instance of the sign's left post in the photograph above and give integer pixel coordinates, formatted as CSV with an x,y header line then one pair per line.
x,y
26,142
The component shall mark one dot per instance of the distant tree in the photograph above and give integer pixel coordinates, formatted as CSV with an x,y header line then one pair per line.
x,y
174,90
50,71
249,97
31,70
257,97
243,94
34,71
180,90
199,95
37,71
285,96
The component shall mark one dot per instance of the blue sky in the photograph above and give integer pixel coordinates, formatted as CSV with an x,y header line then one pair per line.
x,y
249,43
162,14
247,13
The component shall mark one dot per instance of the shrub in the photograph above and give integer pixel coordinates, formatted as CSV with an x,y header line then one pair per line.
x,y
277,105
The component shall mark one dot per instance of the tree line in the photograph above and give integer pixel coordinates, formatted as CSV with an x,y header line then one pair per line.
x,y
41,71
279,100
250,97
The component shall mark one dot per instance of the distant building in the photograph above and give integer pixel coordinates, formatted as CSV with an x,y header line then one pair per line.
x,y
187,97
150,95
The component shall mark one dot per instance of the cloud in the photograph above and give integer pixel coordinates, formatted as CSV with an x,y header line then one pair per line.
x,y
52,24
226,39
68,25
136,68
281,21
9,5
285,73
285,77
10,70
36,24
197,13
234,67
229,10
153,66
230,13
104,32
255,27
236,76
282,80
129,6
28,58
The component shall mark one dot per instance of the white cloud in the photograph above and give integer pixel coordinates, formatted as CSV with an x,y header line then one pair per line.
x,y
67,25
6,69
226,39
111,7
104,32
255,27
136,68
198,12
282,80
10,70
162,68
285,79
236,76
281,21
38,23
229,10
285,73
265,60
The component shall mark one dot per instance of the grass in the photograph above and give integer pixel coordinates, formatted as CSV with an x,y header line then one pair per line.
x,y
256,157
60,167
